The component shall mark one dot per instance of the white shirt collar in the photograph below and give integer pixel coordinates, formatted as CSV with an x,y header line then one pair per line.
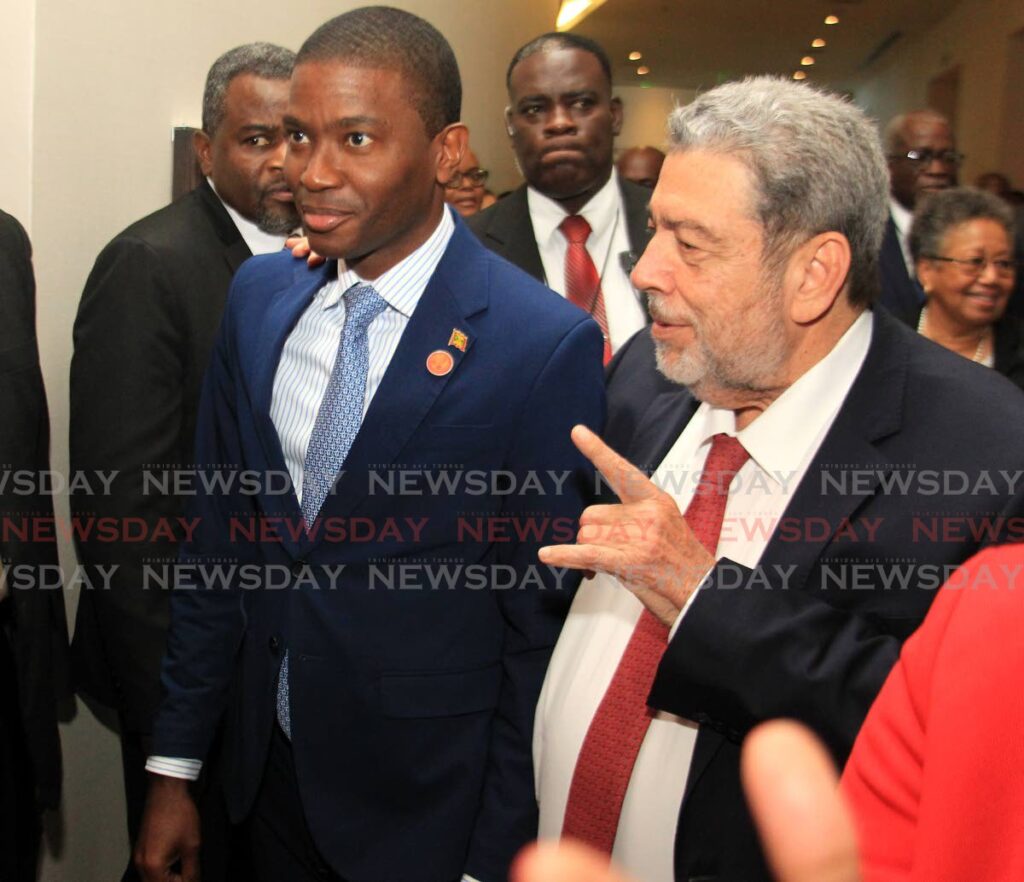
x,y
258,241
811,403
403,284
600,211
902,217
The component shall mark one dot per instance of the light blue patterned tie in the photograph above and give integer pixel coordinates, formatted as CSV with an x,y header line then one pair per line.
x,y
336,426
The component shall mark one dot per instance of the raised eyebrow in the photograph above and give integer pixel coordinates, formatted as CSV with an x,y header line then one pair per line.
x,y
258,128
533,99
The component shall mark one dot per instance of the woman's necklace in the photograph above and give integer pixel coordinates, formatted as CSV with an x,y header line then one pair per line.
x,y
981,340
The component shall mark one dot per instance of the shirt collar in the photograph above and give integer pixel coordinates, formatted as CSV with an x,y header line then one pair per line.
x,y
901,217
258,241
403,285
811,403
546,213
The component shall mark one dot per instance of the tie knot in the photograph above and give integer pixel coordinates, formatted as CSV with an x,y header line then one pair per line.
x,y
575,228
726,457
362,305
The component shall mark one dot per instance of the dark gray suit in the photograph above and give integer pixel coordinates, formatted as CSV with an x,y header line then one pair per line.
x,y
506,229
33,635
143,336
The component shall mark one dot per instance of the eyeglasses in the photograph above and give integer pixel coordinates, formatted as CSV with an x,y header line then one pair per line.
x,y
975,266
926,157
477,177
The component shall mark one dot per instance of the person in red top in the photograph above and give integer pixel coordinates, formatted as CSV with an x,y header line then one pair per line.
x,y
936,776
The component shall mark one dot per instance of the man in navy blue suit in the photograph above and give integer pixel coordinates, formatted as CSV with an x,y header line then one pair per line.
x,y
418,392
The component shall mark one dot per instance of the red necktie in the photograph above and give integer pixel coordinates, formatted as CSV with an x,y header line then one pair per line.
x,y
582,282
605,763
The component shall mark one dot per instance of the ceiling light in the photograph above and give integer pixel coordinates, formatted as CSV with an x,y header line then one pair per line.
x,y
799,75
643,70
572,12
817,43
807,60
635,56
831,19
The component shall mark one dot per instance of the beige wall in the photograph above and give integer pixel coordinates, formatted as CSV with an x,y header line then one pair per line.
x,y
646,111
975,37
102,84
16,52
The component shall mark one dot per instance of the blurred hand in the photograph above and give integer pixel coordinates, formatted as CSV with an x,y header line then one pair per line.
x,y
792,789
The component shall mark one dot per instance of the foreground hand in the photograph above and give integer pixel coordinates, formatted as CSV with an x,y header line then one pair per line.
x,y
299,247
169,833
644,542
792,789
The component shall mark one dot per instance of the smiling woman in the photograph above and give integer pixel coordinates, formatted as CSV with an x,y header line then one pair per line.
x,y
962,243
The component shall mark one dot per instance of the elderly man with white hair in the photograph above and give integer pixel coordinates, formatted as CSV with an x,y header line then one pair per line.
x,y
782,516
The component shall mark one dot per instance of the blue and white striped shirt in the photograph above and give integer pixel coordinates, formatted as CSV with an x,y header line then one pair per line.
x,y
310,350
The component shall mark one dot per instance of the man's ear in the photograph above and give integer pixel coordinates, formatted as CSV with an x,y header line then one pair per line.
x,y
617,114
452,142
509,128
203,147
817,275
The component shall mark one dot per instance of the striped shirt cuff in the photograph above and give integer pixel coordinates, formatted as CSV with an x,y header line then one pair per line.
x,y
174,767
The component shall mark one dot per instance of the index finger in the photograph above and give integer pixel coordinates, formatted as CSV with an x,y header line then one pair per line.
x,y
629,483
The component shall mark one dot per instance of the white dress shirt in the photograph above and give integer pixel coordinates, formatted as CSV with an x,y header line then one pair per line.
x,y
258,241
305,366
781,443
608,242
903,220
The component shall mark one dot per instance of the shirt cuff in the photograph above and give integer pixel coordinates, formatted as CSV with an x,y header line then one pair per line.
x,y
174,767
690,600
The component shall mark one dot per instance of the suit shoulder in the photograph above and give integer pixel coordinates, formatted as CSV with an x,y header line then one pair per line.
x,y
180,227
511,208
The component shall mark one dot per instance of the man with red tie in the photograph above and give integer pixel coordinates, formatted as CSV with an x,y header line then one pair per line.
x,y
783,514
575,225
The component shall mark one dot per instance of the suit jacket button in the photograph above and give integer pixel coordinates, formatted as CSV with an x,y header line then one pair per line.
x,y
275,643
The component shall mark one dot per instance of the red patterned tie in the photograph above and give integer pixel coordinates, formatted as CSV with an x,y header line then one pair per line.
x,y
605,763
582,282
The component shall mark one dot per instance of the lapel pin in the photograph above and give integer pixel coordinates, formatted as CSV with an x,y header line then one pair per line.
x,y
458,340
440,363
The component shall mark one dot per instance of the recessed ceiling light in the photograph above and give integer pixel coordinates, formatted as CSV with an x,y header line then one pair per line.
x,y
635,56
817,43
643,70
831,19
799,75
807,60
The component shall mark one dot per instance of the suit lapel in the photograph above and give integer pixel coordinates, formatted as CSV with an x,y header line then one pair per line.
x,y
457,290
511,231
236,252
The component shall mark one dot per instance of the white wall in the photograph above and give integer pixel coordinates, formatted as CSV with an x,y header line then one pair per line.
x,y
976,37
103,83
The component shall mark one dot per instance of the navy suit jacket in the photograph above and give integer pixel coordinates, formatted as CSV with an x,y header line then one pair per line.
x,y
905,463
418,620
900,292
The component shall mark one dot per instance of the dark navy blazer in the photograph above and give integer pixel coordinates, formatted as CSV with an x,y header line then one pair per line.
x,y
417,619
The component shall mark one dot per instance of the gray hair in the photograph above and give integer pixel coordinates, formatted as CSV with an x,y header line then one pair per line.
x,y
816,161
939,212
259,59
894,136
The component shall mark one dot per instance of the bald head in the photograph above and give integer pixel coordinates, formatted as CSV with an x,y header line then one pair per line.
x,y
928,134
641,165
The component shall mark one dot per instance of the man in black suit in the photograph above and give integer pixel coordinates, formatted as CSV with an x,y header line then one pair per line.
x,y
143,336
922,159
33,635
562,119
834,495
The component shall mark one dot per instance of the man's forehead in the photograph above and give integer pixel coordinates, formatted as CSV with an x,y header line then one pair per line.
x,y
557,70
926,129
703,189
